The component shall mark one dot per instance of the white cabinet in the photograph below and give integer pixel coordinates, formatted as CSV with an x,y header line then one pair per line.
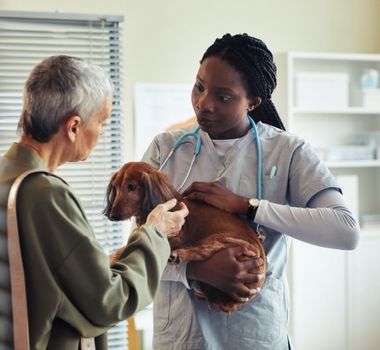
x,y
335,301
336,118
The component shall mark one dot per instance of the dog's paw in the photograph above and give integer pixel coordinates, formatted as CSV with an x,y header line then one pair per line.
x,y
174,259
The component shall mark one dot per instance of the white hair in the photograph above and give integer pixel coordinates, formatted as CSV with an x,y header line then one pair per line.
x,y
58,88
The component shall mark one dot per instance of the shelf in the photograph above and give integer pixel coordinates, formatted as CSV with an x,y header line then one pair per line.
x,y
335,56
370,232
354,164
315,114
345,111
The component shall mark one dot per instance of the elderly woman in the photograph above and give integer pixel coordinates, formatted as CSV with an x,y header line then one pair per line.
x,y
71,290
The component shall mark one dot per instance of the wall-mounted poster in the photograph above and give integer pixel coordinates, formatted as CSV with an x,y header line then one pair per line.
x,y
158,107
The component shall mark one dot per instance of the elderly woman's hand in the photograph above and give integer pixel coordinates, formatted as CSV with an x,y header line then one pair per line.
x,y
166,221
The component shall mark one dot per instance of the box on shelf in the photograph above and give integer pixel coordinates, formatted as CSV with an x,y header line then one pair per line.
x,y
371,99
323,91
350,152
369,138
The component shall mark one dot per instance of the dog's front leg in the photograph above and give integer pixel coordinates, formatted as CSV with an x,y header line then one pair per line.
x,y
175,241
207,248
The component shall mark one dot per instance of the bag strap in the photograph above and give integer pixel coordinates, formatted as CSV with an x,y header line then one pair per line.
x,y
17,275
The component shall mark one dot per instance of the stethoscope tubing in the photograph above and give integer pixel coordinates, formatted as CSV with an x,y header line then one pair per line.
x,y
198,146
255,135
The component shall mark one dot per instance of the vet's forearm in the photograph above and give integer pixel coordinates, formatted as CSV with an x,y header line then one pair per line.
x,y
327,222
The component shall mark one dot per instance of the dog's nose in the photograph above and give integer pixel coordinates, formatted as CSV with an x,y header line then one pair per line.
x,y
114,217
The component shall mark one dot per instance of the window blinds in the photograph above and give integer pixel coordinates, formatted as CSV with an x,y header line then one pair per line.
x,y
27,38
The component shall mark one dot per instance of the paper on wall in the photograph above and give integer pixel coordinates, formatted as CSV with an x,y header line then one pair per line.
x,y
158,106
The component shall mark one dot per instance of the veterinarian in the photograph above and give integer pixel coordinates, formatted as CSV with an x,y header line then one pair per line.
x,y
71,290
297,197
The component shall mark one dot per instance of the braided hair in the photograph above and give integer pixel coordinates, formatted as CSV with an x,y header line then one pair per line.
x,y
252,59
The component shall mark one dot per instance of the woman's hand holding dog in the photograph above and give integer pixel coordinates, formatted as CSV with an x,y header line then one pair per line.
x,y
217,195
166,221
231,270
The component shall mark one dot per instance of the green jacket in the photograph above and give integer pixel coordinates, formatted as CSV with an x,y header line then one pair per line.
x,y
71,289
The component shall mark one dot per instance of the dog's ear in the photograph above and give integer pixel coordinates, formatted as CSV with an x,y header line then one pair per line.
x,y
110,196
157,189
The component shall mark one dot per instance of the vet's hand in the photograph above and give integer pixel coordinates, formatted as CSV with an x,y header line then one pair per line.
x,y
217,195
166,221
225,271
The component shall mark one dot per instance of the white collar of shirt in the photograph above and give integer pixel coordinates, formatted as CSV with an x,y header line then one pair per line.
x,y
222,146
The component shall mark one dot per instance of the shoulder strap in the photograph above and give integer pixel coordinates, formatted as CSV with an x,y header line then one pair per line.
x,y
17,276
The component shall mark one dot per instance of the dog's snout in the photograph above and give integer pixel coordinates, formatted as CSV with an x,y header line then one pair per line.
x,y
111,214
114,217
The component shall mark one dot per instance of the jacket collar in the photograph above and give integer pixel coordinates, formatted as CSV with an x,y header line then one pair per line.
x,y
25,155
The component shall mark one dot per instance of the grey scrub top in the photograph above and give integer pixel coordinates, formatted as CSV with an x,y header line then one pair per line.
x,y
180,320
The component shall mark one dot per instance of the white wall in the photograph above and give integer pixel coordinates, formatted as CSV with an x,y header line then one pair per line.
x,y
164,39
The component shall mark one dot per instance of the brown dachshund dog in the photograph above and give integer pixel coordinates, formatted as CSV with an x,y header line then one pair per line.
x,y
138,187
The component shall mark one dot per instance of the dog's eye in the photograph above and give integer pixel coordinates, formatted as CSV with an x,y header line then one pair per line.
x,y
131,187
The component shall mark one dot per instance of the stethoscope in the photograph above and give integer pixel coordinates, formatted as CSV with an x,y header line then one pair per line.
x,y
198,146
197,149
